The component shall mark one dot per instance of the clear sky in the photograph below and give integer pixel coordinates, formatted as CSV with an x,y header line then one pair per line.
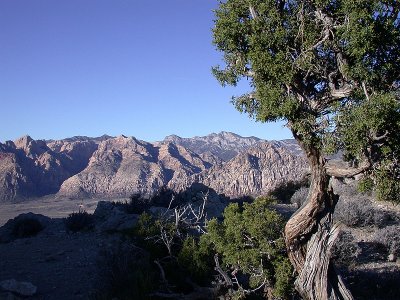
x,y
93,67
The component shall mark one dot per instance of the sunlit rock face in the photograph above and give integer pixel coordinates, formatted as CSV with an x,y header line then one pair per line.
x,y
255,171
124,165
34,168
116,167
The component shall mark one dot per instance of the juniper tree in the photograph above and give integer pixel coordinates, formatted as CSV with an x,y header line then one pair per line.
x,y
330,69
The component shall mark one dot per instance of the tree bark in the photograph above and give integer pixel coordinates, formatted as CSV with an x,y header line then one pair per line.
x,y
309,236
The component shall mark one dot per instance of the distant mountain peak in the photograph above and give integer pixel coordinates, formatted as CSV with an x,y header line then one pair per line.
x,y
225,145
228,133
172,136
23,140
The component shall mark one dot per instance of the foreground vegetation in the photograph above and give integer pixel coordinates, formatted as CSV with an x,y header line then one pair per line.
x,y
329,69
242,254
177,253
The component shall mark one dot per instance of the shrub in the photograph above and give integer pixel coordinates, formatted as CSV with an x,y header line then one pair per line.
x,y
283,278
365,185
285,190
346,250
250,241
347,189
388,190
196,257
26,227
355,213
148,232
136,204
78,221
125,272
390,238
360,213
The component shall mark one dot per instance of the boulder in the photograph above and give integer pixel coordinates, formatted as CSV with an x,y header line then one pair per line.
x,y
392,257
112,218
23,225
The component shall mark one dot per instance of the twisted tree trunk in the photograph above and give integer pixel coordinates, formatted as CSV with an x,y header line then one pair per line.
x,y
309,236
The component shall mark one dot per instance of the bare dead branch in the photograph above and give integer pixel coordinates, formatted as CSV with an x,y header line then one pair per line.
x,y
365,90
375,138
164,280
253,12
227,279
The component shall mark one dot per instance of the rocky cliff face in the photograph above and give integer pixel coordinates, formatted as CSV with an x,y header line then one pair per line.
x,y
30,168
117,167
124,165
255,172
224,145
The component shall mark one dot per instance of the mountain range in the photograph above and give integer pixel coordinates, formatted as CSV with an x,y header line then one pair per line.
x,y
114,167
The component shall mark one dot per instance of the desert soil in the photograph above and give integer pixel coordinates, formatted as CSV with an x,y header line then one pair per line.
x,y
61,265
51,206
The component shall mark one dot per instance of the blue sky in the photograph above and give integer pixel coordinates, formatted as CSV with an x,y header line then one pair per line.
x,y
93,67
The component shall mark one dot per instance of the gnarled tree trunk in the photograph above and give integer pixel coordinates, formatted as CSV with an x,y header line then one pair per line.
x,y
309,236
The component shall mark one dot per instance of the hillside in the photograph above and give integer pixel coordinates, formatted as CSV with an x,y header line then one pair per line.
x,y
81,167
30,168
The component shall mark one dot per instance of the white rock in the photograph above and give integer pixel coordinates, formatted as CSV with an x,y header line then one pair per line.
x,y
392,257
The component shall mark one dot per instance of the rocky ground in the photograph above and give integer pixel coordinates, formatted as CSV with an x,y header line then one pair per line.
x,y
368,250
60,264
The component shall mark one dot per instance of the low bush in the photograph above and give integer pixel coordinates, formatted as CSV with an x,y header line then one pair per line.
x,y
247,246
285,190
388,189
346,250
26,227
135,205
365,185
389,237
196,257
125,272
360,213
78,221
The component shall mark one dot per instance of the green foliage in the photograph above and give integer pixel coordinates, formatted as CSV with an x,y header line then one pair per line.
x,y
146,226
26,227
78,221
365,185
328,68
147,231
196,256
283,277
251,241
370,130
388,189
179,259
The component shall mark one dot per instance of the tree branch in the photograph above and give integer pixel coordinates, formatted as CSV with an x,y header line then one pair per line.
x,y
228,280
375,138
339,169
253,12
